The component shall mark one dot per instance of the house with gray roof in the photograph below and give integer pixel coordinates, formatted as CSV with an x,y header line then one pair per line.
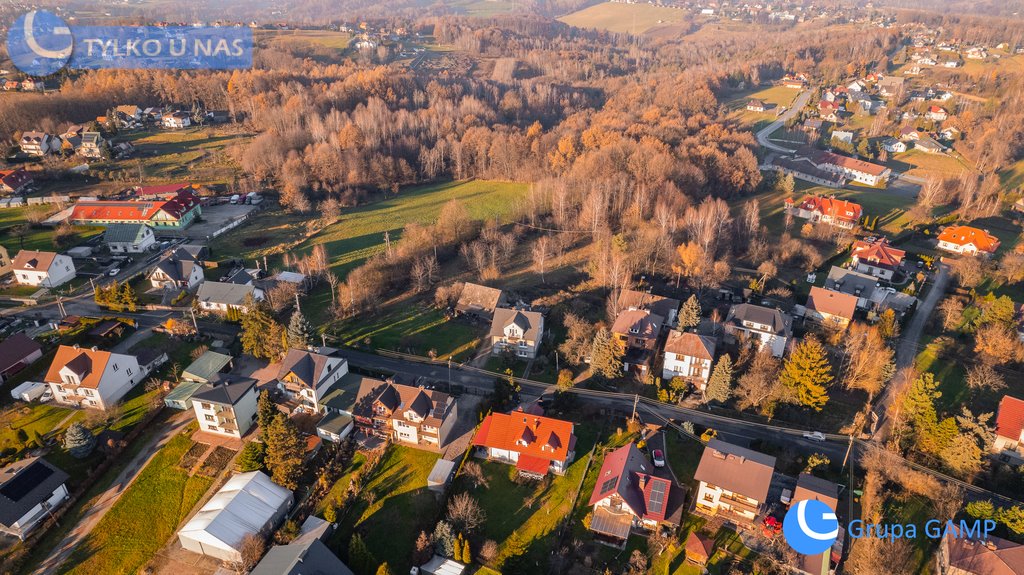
x,y
305,377
517,330
310,558
767,327
226,406
30,490
218,297
853,283
129,238
207,367
178,270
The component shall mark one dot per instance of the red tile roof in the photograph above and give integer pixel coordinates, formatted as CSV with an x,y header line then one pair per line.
x,y
1010,421
162,189
963,235
878,253
531,464
849,163
89,363
626,473
839,209
532,435
133,211
699,546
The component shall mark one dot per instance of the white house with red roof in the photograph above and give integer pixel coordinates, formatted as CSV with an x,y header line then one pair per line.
x,y
628,496
1009,440
968,240
533,443
877,258
937,113
852,168
92,378
178,212
841,213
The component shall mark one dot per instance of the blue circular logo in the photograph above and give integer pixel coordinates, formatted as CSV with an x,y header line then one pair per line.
x,y
810,527
39,43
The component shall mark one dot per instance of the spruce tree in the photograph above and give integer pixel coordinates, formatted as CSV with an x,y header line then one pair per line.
x,y
720,384
807,373
689,316
285,450
79,441
298,331
251,458
606,355
266,411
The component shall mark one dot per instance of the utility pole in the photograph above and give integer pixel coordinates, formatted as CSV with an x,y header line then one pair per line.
x,y
195,324
387,241
849,448
636,399
297,308
449,374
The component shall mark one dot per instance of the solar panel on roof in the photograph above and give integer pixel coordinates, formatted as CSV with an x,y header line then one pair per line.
x,y
657,503
609,484
25,481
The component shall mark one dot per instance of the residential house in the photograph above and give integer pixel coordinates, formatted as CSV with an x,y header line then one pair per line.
x,y
877,258
1009,437
248,504
176,120
30,491
830,307
852,168
226,406
860,285
176,213
804,169
15,181
894,146
91,377
414,416
32,85
890,85
516,330
310,557
628,496
936,113
830,210
813,124
219,297
665,307
689,356
976,53
734,482
968,240
964,554
843,136
950,134
479,301
305,377
755,106
178,270
928,145
909,133
808,488
767,327
129,238
39,144
128,114
534,443
6,265
335,427
638,332
44,269
208,367
17,352
93,145
829,111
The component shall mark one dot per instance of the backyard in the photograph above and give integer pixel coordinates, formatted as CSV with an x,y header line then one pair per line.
x,y
412,328
15,238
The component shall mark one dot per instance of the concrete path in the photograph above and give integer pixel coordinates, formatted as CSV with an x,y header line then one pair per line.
x,y
764,133
106,500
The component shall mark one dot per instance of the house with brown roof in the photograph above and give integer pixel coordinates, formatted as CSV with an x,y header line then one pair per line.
x,y
829,210
479,301
15,181
699,549
91,377
755,106
44,269
965,555
516,330
533,443
629,496
16,353
689,356
967,240
39,144
734,482
638,332
665,307
1008,445
830,307
414,416
305,377
877,258
809,487
766,327
178,270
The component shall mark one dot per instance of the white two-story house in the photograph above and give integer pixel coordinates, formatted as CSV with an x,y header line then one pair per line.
x,y
518,330
92,378
689,356
734,481
306,376
766,326
226,406
43,269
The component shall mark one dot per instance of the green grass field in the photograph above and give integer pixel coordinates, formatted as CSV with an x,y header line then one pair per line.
x,y
773,97
197,155
627,18
42,418
144,518
412,328
890,208
922,164
359,233
1013,177
402,507
35,237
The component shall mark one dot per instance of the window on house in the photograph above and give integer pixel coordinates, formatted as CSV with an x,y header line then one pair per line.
x,y
128,371
116,367
209,418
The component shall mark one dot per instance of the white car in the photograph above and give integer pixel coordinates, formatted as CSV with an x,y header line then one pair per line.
x,y
114,272
814,436
658,457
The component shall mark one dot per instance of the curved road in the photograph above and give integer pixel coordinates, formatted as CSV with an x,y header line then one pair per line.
x,y
763,133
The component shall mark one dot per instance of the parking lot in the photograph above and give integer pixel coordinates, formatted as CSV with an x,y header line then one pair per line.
x,y
218,217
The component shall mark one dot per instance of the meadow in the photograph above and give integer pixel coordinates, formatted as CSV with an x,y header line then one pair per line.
x,y
624,18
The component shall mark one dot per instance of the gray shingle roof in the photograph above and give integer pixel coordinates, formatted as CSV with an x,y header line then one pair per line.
x,y
313,558
122,233
25,484
224,293
227,390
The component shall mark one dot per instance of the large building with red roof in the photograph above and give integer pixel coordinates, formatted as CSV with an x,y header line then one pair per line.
x,y
968,240
629,496
842,213
533,443
174,213
852,168
877,258
1009,441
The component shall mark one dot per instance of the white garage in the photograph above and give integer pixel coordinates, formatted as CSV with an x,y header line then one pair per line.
x,y
247,504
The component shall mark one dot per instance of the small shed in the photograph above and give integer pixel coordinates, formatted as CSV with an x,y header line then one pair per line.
x,y
699,549
440,475
205,368
334,427
181,396
442,566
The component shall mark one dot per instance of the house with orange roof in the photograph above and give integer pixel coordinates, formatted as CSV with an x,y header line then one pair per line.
x,y
877,258
533,443
968,240
92,378
1009,437
44,269
831,307
841,213
175,213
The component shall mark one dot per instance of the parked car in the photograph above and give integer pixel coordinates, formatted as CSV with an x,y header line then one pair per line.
x,y
658,457
114,272
814,436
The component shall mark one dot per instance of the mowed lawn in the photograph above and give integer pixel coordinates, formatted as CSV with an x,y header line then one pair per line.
x,y
301,38
41,418
620,17
402,507
34,237
412,328
774,97
144,518
359,233
924,165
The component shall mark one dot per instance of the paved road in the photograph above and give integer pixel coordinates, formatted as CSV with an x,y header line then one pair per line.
x,y
59,554
907,349
762,135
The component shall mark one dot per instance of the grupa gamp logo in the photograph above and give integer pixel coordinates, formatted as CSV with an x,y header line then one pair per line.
x,y
39,43
810,527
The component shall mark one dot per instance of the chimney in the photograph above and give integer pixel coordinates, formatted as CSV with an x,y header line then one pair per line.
x,y
94,348
536,424
641,481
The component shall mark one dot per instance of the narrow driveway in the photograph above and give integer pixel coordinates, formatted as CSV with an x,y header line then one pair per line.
x,y
908,347
59,554
763,133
